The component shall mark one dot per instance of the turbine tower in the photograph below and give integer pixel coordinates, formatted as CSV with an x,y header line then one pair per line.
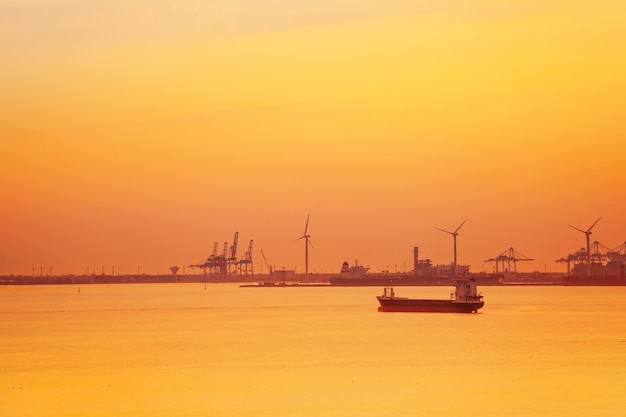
x,y
587,234
306,237
454,235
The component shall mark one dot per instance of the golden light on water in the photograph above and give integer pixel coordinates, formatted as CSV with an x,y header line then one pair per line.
x,y
178,349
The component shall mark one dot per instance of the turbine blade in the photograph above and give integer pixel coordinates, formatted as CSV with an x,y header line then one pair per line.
x,y
594,223
306,226
309,242
576,228
450,233
457,229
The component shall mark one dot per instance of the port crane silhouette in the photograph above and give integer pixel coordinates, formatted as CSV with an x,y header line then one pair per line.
x,y
225,264
507,257
597,254
454,235
269,268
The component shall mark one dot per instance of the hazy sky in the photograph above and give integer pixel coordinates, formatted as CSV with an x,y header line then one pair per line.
x,y
139,133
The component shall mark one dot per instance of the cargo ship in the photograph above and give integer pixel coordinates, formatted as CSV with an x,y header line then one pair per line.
x,y
358,275
594,281
423,274
465,299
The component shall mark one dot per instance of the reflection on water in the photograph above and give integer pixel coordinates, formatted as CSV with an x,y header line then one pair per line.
x,y
182,350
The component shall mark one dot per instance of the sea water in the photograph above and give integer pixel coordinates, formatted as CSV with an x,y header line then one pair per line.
x,y
221,350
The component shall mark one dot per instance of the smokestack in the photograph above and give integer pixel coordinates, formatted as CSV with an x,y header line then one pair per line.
x,y
415,259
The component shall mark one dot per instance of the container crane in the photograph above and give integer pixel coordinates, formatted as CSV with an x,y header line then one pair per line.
x,y
233,249
245,264
507,257
269,268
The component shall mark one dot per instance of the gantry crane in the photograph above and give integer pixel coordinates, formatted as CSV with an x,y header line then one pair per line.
x,y
269,268
508,257
617,254
233,248
245,264
226,263
578,257
595,255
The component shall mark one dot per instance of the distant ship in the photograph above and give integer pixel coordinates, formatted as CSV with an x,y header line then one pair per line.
x,y
595,280
423,274
357,275
464,300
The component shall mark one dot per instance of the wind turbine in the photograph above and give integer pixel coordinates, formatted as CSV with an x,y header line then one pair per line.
x,y
454,235
306,237
587,233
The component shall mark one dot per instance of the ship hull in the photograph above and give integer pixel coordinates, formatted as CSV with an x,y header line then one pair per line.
x,y
399,281
408,305
594,281
378,281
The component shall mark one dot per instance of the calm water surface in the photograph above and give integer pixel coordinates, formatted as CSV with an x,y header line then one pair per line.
x,y
183,350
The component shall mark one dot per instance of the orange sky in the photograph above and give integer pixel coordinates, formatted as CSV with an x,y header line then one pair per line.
x,y
138,135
